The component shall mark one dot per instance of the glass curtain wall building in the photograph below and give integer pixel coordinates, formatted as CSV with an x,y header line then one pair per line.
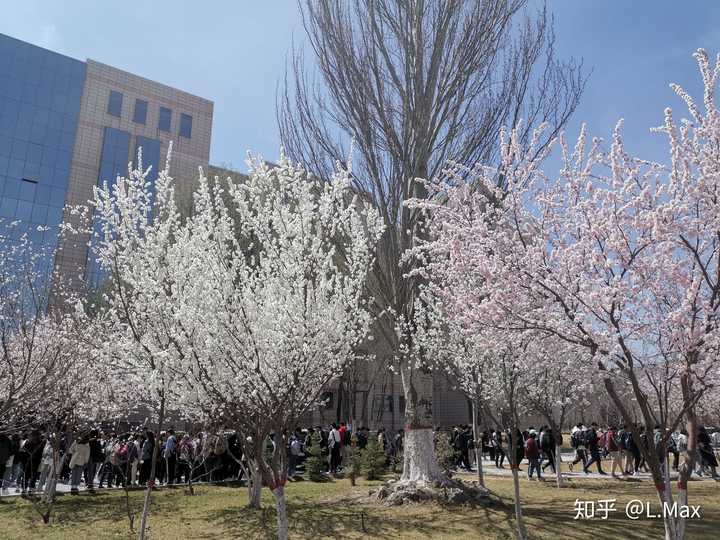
x,y
40,94
68,125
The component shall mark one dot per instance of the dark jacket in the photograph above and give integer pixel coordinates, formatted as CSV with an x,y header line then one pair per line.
x,y
96,451
6,448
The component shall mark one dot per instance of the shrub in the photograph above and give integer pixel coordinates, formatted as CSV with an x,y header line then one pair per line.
x,y
315,464
352,462
373,460
445,452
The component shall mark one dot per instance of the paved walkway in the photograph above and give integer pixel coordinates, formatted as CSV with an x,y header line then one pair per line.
x,y
490,469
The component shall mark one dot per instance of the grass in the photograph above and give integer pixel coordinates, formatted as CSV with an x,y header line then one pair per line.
x,y
337,510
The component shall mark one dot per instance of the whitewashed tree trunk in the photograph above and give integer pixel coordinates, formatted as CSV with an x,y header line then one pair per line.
x,y
151,480
282,519
254,485
420,462
669,521
558,466
478,444
521,533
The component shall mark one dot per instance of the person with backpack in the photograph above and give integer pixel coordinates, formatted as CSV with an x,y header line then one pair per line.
x,y
672,449
335,444
532,453
620,440
613,449
592,443
707,456
682,444
496,440
548,445
577,441
633,450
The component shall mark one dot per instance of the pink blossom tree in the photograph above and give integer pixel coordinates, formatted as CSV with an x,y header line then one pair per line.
x,y
617,255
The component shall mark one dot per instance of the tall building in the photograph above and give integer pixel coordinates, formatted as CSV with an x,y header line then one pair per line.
x,y
68,125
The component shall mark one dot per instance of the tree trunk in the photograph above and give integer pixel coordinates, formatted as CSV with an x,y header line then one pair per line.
x,y
558,466
521,534
419,459
254,485
151,480
478,444
282,519
674,528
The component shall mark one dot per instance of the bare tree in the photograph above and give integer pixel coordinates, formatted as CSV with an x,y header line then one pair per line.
x,y
415,84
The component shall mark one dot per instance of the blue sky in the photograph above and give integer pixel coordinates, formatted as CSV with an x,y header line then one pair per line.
x,y
234,54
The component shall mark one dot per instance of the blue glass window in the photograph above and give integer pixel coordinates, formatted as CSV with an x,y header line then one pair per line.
x,y
164,120
115,103
113,163
185,125
150,156
140,114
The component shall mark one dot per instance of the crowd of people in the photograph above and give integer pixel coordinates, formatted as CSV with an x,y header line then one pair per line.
x,y
591,445
96,459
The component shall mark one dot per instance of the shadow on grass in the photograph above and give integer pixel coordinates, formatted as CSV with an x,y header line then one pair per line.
x,y
310,518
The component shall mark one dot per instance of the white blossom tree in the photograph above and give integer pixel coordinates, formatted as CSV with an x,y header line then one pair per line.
x,y
34,349
136,227
279,281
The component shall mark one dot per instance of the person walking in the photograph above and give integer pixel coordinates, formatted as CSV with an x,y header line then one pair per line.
x,y
591,439
577,441
80,450
497,440
532,453
613,449
547,446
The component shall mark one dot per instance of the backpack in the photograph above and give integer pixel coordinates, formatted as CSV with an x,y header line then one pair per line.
x,y
121,452
346,438
620,440
576,439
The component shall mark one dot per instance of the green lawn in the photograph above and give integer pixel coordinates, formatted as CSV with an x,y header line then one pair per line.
x,y
337,510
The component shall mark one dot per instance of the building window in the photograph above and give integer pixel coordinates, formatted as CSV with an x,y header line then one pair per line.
x,y
185,125
140,115
164,121
115,103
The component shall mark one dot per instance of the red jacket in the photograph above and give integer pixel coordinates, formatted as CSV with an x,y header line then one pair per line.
x,y
610,441
342,431
531,448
